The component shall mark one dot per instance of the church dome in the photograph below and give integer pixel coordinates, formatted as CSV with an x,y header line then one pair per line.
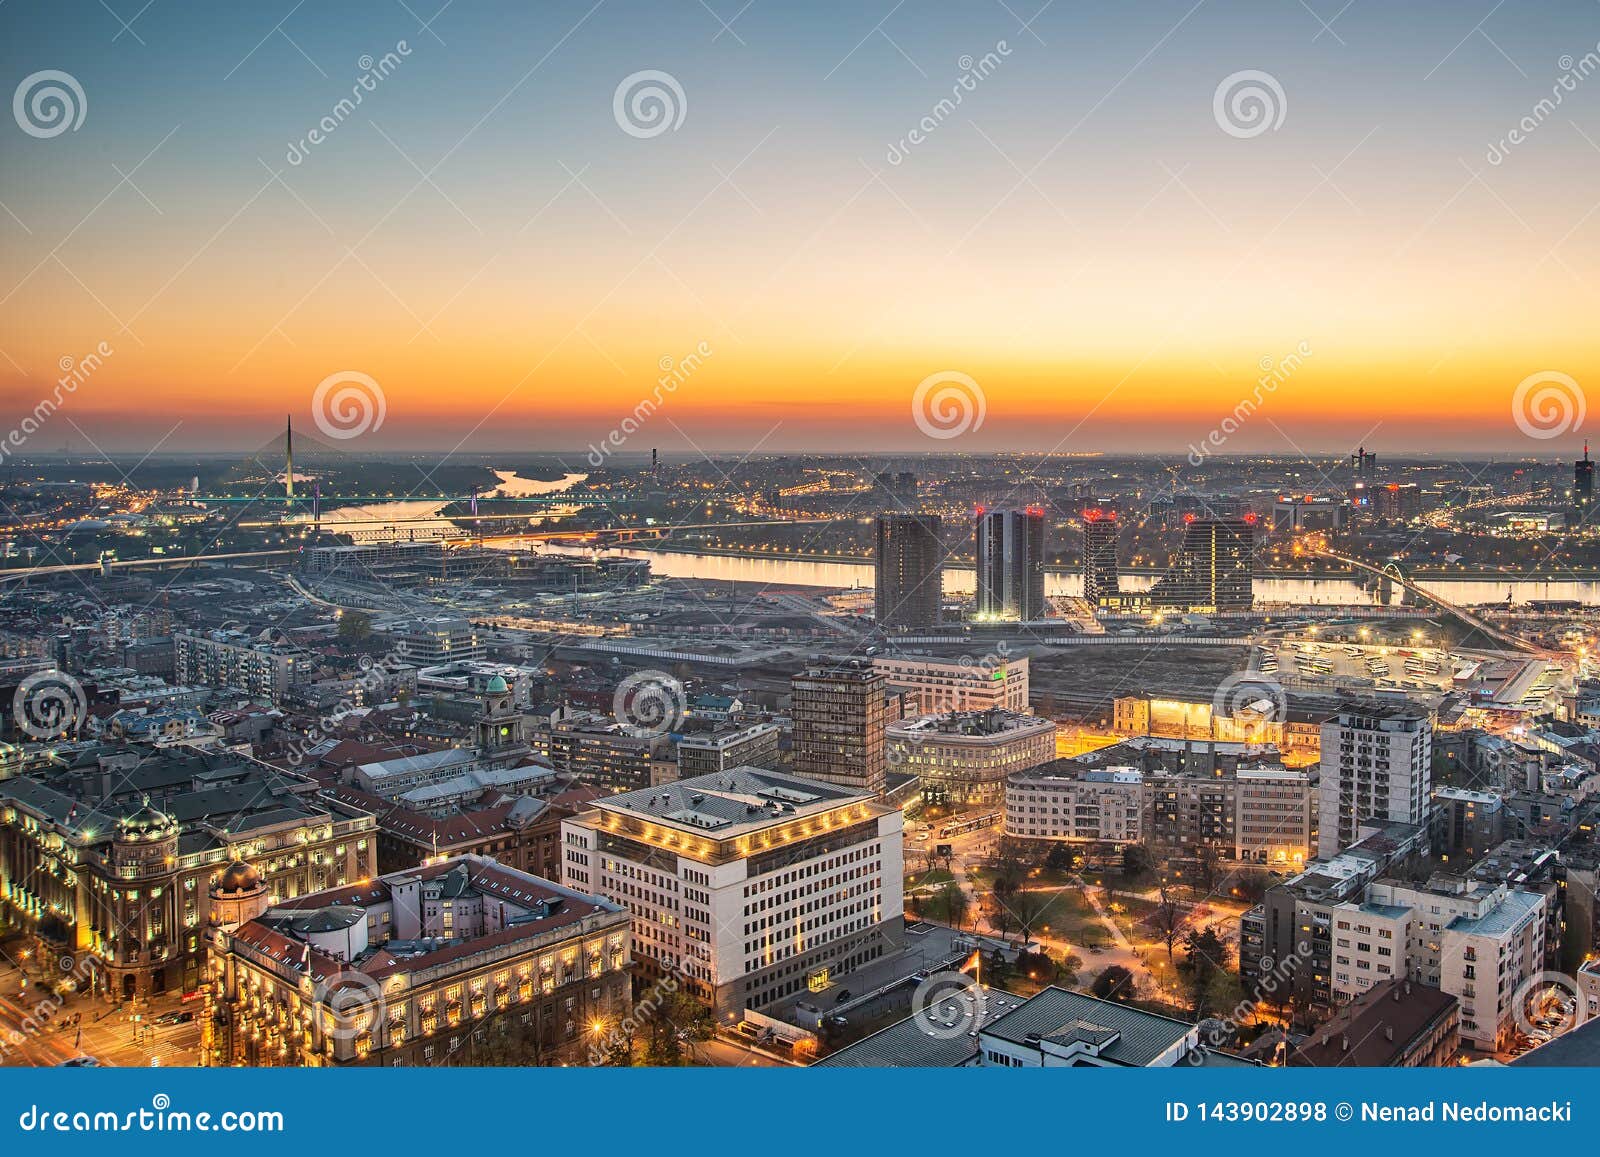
x,y
497,686
237,877
145,824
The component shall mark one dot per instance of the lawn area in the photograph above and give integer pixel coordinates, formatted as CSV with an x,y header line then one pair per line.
x,y
936,877
935,907
1062,913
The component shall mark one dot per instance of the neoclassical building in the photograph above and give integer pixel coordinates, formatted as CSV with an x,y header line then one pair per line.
x,y
111,852
464,961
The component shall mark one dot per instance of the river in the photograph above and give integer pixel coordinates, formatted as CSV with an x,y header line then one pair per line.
x,y
962,580
512,485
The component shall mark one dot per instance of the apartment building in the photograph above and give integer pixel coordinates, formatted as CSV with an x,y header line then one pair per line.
x,y
728,747
1275,816
1375,763
1064,800
259,668
840,713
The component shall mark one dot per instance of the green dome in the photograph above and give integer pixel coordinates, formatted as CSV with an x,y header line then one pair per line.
x,y
497,686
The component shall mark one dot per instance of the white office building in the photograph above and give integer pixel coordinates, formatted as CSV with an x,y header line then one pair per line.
x,y
746,886
946,685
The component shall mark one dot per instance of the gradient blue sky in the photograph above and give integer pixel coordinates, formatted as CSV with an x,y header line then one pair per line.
x,y
1121,297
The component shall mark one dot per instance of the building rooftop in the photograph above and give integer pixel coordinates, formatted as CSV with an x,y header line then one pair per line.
x,y
1373,1030
534,907
729,803
1579,1048
1503,917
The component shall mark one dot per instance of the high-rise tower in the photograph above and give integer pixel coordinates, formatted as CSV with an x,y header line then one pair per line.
x,y
1100,578
840,713
1583,483
908,571
1009,549
1214,570
288,458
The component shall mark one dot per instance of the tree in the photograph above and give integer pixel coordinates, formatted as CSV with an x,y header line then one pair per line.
x,y
1137,860
1024,911
1115,983
354,626
680,1018
1062,858
1207,951
1167,921
954,902
1221,996
1206,961
1000,918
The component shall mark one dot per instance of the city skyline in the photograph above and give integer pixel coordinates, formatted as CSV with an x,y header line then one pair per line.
x,y
1095,236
